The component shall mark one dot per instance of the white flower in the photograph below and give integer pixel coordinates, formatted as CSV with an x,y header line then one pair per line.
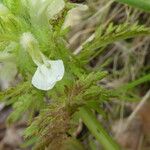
x,y
43,10
74,16
48,74
55,7
3,10
48,71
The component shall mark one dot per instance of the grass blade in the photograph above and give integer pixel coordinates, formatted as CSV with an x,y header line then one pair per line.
x,y
97,130
142,4
135,83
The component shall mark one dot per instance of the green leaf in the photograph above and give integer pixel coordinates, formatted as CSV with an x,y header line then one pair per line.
x,y
73,144
110,35
15,91
142,4
20,107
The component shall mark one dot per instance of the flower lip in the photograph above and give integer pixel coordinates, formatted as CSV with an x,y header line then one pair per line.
x,y
45,77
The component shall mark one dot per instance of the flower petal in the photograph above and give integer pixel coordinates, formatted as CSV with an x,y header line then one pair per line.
x,y
43,10
48,74
58,69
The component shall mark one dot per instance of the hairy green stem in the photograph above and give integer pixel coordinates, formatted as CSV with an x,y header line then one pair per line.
x,y
142,4
97,130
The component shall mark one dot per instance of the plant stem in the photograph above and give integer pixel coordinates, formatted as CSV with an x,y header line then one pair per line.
x,y
142,4
97,130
